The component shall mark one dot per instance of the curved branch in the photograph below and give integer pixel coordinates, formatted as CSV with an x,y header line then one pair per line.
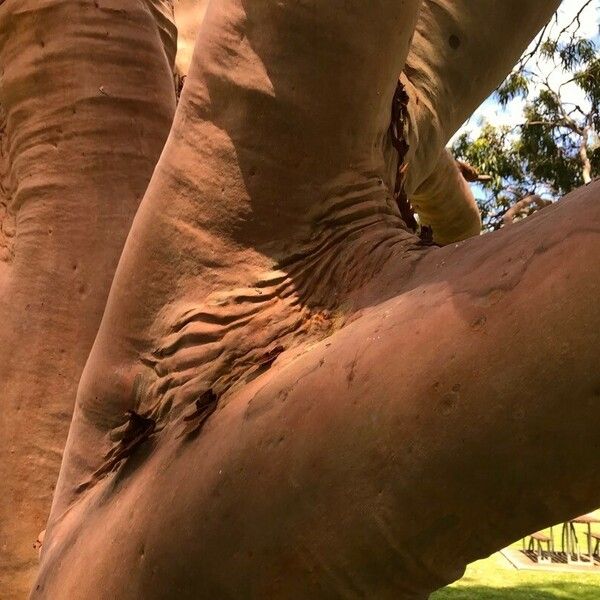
x,y
341,471
445,203
524,206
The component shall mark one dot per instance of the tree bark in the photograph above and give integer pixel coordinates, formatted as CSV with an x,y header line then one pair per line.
x,y
373,430
369,412
87,100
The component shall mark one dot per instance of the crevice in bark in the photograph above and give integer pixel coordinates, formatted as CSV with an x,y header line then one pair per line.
x,y
398,133
179,83
7,219
136,430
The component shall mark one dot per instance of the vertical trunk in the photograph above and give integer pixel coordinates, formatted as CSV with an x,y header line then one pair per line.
x,y
267,178
87,100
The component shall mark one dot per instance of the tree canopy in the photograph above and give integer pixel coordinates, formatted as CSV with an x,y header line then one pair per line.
x,y
555,147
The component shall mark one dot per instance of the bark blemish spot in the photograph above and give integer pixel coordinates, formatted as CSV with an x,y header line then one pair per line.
x,y
449,402
478,323
454,42
204,407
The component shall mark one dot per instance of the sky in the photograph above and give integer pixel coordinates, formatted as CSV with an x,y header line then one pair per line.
x,y
491,111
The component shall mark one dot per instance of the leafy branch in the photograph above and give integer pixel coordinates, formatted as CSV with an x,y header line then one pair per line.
x,y
555,147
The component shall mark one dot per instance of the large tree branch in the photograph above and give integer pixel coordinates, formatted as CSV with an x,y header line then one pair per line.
x,y
343,470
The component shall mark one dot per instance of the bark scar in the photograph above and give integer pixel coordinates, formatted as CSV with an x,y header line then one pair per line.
x,y
138,428
205,406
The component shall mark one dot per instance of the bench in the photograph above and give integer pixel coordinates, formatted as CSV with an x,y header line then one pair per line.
x,y
536,541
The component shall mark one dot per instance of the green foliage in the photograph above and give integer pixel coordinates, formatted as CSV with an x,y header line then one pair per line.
x,y
556,146
515,85
575,53
588,79
494,153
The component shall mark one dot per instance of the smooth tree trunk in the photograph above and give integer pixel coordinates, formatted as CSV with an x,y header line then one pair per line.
x,y
381,405
86,101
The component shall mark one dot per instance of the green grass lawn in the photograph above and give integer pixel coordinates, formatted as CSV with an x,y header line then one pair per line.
x,y
495,579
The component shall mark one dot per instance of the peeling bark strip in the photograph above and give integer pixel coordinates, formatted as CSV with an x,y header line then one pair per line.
x,y
270,357
138,429
426,236
398,133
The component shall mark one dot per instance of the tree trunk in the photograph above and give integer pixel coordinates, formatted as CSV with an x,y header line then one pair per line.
x,y
370,415
87,101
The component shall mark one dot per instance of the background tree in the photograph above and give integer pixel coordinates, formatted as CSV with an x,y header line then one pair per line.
x,y
555,148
